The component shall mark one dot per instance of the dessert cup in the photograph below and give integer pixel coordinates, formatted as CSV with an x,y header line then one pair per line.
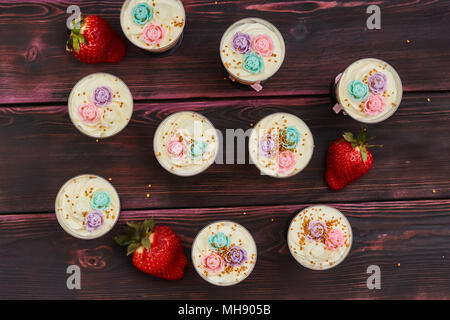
x,y
281,145
252,50
186,143
224,253
87,206
100,105
153,25
369,90
320,237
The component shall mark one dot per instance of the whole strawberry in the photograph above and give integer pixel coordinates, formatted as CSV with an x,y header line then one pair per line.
x,y
348,159
94,41
156,250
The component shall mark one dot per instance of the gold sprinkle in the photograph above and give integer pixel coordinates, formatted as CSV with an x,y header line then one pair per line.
x,y
428,99
408,41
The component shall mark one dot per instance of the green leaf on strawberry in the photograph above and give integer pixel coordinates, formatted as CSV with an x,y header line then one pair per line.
x,y
361,142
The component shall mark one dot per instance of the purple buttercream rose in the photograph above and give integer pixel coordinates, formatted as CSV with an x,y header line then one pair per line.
x,y
93,220
102,96
377,83
242,42
267,145
317,229
236,256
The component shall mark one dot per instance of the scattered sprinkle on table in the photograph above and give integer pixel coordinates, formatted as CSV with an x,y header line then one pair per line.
x,y
408,41
148,195
428,99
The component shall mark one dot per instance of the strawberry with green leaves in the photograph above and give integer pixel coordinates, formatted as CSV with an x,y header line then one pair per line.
x,y
156,250
348,159
92,40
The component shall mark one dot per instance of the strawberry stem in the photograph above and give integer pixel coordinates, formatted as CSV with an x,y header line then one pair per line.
x,y
137,235
361,141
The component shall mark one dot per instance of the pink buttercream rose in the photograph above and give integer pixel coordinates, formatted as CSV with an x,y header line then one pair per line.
x,y
212,262
263,45
89,112
176,148
286,161
374,104
153,34
334,239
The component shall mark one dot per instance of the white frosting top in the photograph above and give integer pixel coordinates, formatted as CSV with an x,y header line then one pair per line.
x,y
224,253
168,14
362,70
281,145
78,198
112,117
326,251
186,143
234,60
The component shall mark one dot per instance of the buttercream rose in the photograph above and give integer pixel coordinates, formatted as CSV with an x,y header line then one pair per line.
x,y
267,146
100,200
262,44
102,96
253,63
197,149
286,161
289,138
377,83
374,105
316,229
89,113
335,239
142,14
358,90
176,148
93,220
153,34
235,256
241,42
212,262
218,241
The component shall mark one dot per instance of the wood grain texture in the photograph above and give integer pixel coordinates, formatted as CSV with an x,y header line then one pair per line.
x,y
42,149
407,240
322,38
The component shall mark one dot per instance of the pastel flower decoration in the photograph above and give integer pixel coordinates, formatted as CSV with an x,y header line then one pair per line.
x,y
142,14
93,220
377,83
100,200
286,161
253,63
212,262
242,42
262,44
374,105
358,90
89,113
334,239
102,96
267,146
289,138
197,149
218,241
153,34
176,148
316,229
235,256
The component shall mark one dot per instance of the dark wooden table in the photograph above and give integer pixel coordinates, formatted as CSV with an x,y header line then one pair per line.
x,y
400,211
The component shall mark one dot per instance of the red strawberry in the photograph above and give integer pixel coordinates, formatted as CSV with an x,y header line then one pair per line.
x,y
156,250
95,41
348,159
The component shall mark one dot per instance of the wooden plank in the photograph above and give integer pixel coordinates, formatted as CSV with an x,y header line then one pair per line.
x,y
322,38
41,149
403,238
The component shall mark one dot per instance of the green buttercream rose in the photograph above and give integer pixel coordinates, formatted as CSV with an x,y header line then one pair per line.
x,y
253,63
197,149
142,14
100,200
289,138
358,90
218,241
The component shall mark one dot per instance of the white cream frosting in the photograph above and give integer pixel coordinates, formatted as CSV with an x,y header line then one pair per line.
x,y
361,70
166,13
272,125
312,253
114,117
190,126
232,59
238,236
73,202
